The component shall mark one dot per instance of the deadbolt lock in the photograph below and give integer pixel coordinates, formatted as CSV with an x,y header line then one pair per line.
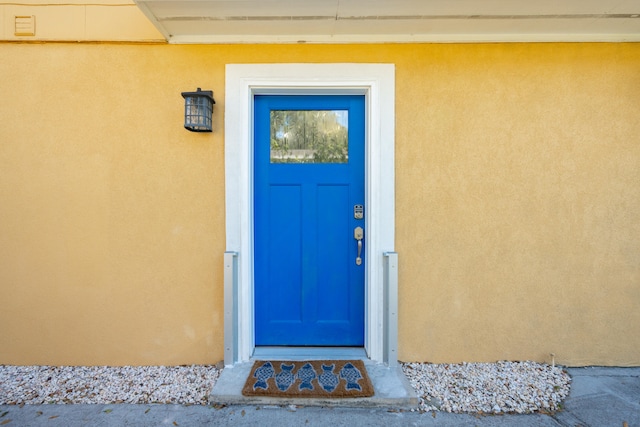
x,y
358,211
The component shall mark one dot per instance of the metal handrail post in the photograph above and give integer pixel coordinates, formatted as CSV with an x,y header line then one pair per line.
x,y
390,351
230,308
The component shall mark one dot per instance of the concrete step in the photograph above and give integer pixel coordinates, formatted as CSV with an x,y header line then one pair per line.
x,y
392,390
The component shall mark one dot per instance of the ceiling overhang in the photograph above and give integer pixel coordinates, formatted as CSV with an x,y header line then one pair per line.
x,y
366,21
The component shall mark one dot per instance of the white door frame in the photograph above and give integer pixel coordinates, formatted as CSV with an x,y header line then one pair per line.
x,y
377,83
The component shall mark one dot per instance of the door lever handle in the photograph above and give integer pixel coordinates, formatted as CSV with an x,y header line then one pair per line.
x,y
358,234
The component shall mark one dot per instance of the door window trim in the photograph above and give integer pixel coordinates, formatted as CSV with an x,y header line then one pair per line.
x,y
377,83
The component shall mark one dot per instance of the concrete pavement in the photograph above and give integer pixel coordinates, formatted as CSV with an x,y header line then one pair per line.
x,y
600,397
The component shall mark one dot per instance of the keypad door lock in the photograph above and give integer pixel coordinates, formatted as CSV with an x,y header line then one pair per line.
x,y
358,211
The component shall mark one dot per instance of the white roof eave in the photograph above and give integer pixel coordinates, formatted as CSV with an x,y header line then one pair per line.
x,y
400,21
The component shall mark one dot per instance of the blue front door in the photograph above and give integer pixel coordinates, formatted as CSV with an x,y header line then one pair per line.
x,y
309,197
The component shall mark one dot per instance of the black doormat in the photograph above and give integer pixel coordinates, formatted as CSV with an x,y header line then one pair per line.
x,y
313,378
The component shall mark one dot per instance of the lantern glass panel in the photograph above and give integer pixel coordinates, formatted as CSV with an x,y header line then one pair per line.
x,y
197,113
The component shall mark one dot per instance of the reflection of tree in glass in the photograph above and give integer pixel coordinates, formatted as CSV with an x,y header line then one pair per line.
x,y
309,137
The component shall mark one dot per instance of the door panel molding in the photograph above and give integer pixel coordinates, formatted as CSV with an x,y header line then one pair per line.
x,y
377,83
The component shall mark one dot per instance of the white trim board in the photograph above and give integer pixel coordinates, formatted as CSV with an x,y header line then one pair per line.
x,y
377,83
404,38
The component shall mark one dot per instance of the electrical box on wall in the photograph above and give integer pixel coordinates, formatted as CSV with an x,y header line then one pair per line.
x,y
25,25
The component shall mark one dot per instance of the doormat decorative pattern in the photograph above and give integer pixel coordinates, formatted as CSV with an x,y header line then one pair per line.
x,y
313,378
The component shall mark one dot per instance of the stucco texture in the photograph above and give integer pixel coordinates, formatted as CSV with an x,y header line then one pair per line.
x,y
517,201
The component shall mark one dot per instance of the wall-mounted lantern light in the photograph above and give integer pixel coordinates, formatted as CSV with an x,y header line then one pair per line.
x,y
198,110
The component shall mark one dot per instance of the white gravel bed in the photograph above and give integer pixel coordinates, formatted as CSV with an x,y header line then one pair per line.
x,y
106,385
503,387
491,388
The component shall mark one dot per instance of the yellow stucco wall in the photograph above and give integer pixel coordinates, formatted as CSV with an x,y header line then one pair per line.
x,y
76,20
517,201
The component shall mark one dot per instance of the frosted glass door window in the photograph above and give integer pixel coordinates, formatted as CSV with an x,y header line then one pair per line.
x,y
300,136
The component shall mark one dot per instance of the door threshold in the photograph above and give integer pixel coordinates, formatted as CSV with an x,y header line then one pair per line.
x,y
309,353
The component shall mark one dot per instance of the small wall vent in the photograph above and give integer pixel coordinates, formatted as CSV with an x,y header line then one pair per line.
x,y
25,26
